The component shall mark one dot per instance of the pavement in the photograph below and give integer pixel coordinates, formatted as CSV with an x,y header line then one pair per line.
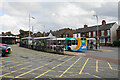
x,y
104,53
29,64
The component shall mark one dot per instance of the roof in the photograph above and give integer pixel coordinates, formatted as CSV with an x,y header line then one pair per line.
x,y
94,28
118,28
67,32
8,36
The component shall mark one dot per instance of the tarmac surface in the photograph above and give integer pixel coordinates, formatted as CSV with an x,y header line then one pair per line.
x,y
31,64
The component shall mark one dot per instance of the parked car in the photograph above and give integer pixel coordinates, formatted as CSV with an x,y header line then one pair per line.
x,y
5,50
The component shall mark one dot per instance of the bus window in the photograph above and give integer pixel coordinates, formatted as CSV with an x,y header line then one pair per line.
x,y
59,42
73,42
63,42
76,42
69,42
83,38
54,42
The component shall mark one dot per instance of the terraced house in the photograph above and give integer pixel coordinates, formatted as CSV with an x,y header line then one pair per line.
x,y
107,32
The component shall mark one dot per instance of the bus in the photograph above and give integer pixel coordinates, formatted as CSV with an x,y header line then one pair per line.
x,y
51,44
70,44
26,42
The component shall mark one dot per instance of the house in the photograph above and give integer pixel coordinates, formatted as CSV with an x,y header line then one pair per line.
x,y
68,33
62,33
118,33
8,38
107,32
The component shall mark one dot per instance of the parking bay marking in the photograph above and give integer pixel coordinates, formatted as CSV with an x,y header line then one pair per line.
x,y
21,63
37,68
110,66
83,66
15,71
69,67
96,65
53,68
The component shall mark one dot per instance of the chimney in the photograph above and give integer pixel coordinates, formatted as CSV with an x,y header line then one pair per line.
x,y
50,30
2,32
85,26
43,33
56,30
103,22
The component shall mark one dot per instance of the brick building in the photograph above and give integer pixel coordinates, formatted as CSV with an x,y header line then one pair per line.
x,y
107,32
62,33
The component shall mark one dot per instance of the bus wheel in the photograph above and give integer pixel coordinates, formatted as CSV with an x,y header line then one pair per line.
x,y
69,49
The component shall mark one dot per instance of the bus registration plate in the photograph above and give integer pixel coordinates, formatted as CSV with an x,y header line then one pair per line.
x,y
83,47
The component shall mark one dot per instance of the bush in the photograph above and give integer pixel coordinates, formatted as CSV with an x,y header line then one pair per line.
x,y
109,44
116,43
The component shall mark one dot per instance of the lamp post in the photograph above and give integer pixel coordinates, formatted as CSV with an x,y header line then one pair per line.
x,y
97,32
29,30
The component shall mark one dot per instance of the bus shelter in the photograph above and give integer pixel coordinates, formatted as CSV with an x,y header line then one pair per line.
x,y
91,43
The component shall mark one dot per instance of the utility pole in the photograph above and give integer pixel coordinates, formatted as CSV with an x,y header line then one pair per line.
x,y
97,32
29,32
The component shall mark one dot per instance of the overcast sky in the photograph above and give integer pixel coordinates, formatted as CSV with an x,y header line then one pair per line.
x,y
54,15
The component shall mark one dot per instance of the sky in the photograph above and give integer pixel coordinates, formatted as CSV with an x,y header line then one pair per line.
x,y
55,15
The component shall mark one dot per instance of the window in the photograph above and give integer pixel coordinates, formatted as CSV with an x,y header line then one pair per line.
x,y
108,32
74,35
102,33
108,40
83,35
102,40
77,35
89,34
73,42
94,34
69,42
66,35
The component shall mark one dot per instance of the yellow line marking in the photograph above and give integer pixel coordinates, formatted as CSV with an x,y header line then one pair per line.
x,y
54,67
14,71
9,76
23,63
110,66
83,66
34,69
69,67
96,65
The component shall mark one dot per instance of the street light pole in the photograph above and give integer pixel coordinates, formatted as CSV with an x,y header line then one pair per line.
x,y
29,32
97,31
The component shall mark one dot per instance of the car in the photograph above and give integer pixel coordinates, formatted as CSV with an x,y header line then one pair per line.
x,y
5,50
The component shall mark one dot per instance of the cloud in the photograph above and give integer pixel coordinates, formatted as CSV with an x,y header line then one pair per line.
x,y
54,15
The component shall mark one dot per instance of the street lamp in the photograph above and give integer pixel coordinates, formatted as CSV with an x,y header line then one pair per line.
x,y
29,30
97,31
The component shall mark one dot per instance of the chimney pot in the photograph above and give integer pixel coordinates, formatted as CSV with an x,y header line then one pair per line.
x,y
85,26
50,30
103,22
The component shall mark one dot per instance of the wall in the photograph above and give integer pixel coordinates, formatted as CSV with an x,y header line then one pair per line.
x,y
113,32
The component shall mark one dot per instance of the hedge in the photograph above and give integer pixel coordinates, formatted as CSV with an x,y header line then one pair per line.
x,y
116,43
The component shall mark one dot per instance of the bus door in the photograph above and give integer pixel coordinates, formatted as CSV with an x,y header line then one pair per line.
x,y
83,43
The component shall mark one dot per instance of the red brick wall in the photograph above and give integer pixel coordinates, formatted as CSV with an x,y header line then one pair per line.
x,y
71,33
92,34
105,32
118,34
99,33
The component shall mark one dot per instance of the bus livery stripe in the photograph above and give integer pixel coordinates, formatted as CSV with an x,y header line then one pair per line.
x,y
78,45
